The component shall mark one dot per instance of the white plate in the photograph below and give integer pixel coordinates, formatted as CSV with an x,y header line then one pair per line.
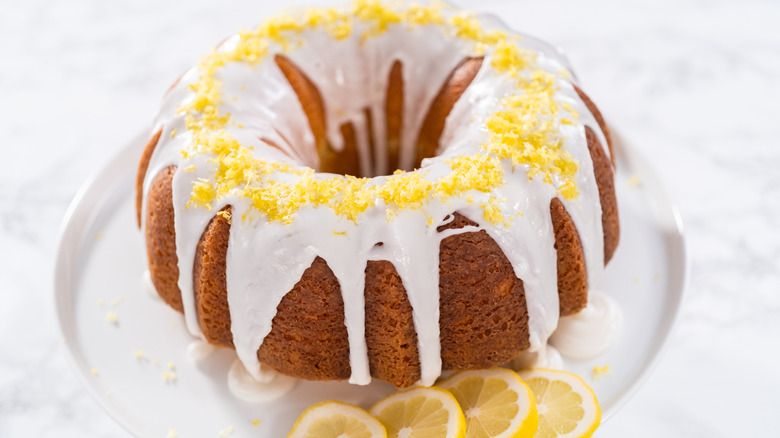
x,y
101,261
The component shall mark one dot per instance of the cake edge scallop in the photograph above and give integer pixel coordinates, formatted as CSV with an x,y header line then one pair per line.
x,y
599,119
605,180
161,238
483,313
428,139
143,167
209,280
572,273
281,353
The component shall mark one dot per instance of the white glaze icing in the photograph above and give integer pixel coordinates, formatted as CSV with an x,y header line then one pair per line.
x,y
265,259
548,357
198,350
146,282
267,386
592,330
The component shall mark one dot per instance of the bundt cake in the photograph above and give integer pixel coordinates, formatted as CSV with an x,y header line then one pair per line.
x,y
379,190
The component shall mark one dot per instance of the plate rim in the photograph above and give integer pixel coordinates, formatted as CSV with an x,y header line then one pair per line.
x,y
71,231
76,221
619,139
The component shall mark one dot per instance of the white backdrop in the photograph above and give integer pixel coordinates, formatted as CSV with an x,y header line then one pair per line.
x,y
694,84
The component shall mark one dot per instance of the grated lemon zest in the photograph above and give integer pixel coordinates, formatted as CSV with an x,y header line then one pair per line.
x,y
226,215
601,371
524,131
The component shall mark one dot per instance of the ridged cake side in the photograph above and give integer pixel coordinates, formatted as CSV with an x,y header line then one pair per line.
x,y
483,319
383,190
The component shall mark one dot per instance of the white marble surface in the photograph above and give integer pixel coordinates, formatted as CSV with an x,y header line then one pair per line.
x,y
694,84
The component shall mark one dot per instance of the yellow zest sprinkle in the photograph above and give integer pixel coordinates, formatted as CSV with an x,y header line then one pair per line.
x,y
226,432
225,214
390,214
155,361
255,422
634,181
189,168
171,365
139,354
656,277
570,109
202,194
173,132
418,15
94,371
169,376
523,132
98,236
492,211
600,371
172,433
339,233
112,317
534,142
376,13
479,172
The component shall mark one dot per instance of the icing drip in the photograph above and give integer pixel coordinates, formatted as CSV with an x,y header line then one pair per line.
x,y
148,286
414,250
547,357
267,386
592,330
258,124
199,350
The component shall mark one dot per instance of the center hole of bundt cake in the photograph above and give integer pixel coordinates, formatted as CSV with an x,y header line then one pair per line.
x,y
361,152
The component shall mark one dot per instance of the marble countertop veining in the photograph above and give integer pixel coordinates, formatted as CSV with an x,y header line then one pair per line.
x,y
693,84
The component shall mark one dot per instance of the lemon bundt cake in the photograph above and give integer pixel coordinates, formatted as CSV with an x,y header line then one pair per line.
x,y
380,190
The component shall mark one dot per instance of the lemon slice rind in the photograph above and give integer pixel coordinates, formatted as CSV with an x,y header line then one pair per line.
x,y
456,422
525,421
592,412
336,412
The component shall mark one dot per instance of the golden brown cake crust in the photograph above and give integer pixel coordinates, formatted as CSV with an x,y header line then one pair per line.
x,y
143,166
605,179
209,281
308,338
450,92
484,319
603,168
346,161
394,105
481,300
390,334
483,315
599,119
161,239
572,273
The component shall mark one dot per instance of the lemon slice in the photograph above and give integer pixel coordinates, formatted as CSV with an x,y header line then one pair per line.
x,y
496,402
333,419
567,406
421,413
